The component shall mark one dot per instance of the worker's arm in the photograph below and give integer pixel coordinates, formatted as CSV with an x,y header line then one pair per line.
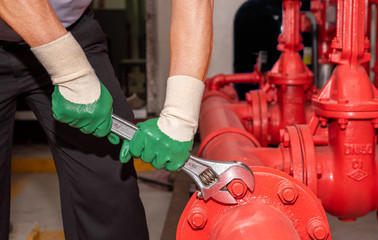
x,y
79,98
166,141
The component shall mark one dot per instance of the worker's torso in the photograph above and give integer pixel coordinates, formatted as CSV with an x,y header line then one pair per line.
x,y
68,12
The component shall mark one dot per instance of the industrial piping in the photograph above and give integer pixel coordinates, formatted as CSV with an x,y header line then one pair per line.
x,y
334,155
285,92
278,200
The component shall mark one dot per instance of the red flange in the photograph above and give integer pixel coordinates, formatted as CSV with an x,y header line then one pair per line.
x,y
279,208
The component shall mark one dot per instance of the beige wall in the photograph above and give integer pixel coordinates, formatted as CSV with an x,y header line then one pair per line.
x,y
222,58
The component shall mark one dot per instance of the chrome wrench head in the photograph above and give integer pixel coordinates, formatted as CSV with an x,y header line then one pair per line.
x,y
212,177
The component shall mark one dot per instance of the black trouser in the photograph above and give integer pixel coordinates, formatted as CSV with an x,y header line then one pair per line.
x,y
99,195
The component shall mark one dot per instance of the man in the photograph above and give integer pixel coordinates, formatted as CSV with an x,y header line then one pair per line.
x,y
60,43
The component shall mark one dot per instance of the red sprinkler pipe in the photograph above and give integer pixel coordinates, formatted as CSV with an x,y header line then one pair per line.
x,y
278,201
348,186
345,165
217,82
280,207
375,68
334,155
283,100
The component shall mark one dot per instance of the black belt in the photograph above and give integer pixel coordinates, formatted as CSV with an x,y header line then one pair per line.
x,y
9,45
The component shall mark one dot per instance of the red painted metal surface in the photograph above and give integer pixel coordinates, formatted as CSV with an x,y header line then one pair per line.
x,y
284,100
332,157
374,3
217,82
279,208
349,104
325,13
285,94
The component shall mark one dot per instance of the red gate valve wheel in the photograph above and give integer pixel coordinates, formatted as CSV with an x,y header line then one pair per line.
x,y
287,192
237,188
197,218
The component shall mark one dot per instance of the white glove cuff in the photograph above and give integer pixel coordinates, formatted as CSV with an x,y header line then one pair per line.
x,y
179,118
66,63
62,58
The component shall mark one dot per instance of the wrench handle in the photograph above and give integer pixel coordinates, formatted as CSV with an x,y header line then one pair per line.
x,y
123,128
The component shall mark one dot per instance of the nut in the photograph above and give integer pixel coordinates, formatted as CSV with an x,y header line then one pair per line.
x,y
286,139
317,229
287,192
197,218
237,188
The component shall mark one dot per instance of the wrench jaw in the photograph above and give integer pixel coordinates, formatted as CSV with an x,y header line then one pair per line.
x,y
219,191
211,177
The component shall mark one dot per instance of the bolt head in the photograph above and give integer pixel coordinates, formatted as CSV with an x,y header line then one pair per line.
x,y
282,132
237,188
197,218
320,233
287,193
317,229
286,139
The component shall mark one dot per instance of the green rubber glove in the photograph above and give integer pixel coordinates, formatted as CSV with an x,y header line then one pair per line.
x,y
79,98
153,146
94,118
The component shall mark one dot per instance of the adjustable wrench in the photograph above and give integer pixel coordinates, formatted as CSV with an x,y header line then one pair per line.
x,y
211,177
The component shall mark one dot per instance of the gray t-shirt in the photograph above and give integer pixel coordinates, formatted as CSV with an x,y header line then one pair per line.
x,y
68,12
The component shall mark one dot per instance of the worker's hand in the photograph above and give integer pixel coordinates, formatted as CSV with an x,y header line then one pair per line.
x,y
79,98
153,146
165,142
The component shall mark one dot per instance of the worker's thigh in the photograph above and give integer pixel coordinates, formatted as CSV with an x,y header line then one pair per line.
x,y
99,195
8,94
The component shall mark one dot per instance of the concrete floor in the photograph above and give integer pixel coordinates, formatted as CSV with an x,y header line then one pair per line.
x,y
35,199
36,202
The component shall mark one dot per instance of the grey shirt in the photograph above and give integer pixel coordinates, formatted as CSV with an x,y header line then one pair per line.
x,y
68,12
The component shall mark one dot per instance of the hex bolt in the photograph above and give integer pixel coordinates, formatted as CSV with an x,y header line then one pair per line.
x,y
287,192
237,188
289,195
317,229
343,122
323,122
286,139
319,170
282,132
320,233
375,123
197,218
287,168
343,101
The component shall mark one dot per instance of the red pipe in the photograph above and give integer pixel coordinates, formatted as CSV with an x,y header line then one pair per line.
x,y
279,207
347,105
375,68
217,82
250,222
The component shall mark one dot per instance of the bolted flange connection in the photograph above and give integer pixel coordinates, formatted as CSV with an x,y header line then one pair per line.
x,y
287,192
237,188
317,229
197,218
